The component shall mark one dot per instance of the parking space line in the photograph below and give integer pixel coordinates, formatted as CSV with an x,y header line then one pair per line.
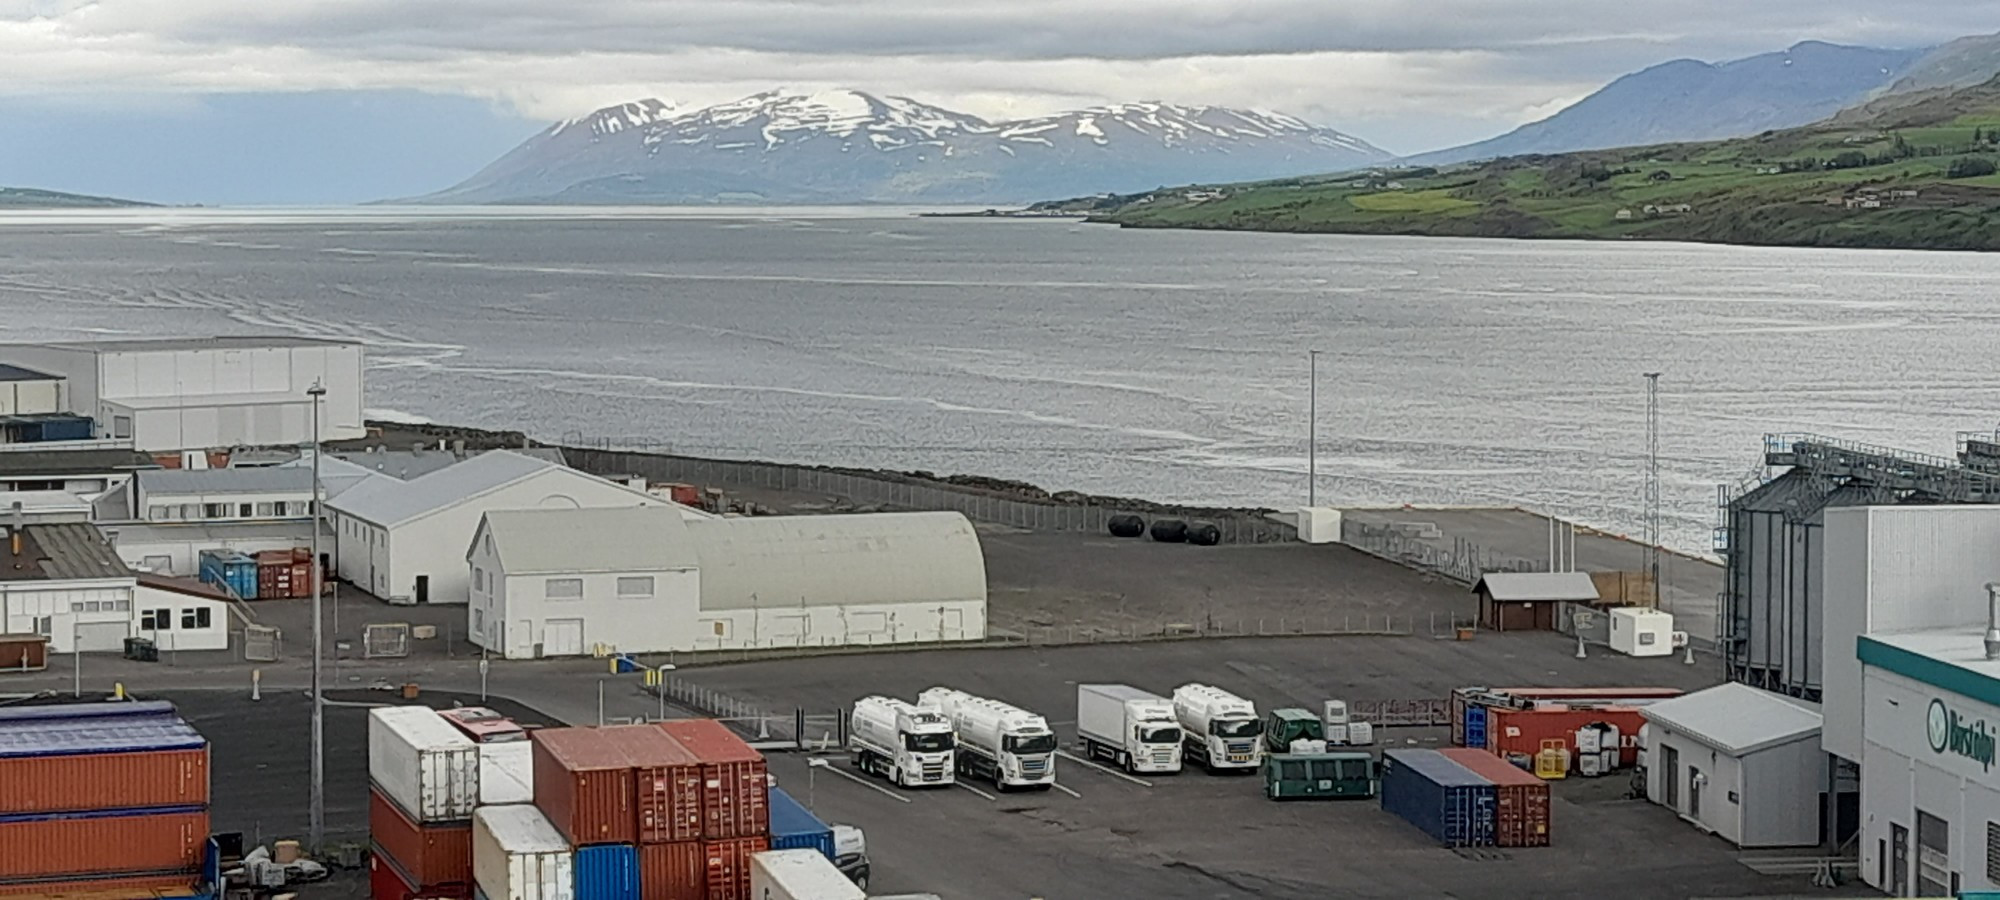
x,y
1065,754
850,776
1058,786
973,789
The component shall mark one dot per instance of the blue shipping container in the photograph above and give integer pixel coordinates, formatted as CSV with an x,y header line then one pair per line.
x,y
793,827
231,570
1475,726
1449,802
607,872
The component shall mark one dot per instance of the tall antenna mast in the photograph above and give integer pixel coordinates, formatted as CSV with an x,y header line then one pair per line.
x,y
1653,482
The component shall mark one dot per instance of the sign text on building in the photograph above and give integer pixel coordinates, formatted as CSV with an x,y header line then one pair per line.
x,y
1950,733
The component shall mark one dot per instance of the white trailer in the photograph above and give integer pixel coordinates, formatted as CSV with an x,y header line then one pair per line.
x,y
1221,729
911,747
799,875
999,742
423,764
518,855
1128,726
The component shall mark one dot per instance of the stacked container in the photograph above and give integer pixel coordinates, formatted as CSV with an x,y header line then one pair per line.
x,y
284,573
1521,816
1524,732
520,856
424,789
735,803
793,827
83,779
1445,800
230,570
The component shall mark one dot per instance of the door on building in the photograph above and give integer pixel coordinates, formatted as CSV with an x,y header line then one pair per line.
x,y
423,589
102,637
1899,861
562,637
1694,793
1933,856
952,626
1670,776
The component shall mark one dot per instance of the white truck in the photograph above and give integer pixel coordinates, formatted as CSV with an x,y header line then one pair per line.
x,y
1222,730
1128,726
911,747
1002,743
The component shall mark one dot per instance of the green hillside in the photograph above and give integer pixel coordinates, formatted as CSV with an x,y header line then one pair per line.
x,y
1918,175
31,198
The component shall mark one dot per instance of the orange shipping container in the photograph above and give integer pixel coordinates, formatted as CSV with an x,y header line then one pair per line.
x,y
429,854
130,887
386,882
94,781
169,842
729,866
667,782
1522,731
583,784
675,871
1521,808
735,784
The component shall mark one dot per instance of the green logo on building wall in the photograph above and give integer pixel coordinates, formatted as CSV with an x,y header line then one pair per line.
x,y
1950,733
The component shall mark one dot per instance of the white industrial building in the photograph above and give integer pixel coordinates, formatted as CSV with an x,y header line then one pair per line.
x,y
559,582
181,614
26,392
789,581
405,541
175,548
1741,763
86,473
63,581
221,495
201,393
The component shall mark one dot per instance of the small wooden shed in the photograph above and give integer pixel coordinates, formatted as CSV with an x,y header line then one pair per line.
x,y
24,652
1527,601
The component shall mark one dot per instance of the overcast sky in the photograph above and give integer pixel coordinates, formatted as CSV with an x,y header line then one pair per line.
x,y
1406,74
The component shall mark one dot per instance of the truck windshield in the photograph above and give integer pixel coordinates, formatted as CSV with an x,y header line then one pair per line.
x,y
926,743
1163,735
1039,743
1239,728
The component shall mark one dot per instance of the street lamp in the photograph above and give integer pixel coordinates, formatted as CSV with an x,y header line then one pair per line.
x,y
1312,430
318,828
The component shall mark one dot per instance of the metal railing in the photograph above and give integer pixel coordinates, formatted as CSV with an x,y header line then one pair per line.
x,y
1463,561
1401,713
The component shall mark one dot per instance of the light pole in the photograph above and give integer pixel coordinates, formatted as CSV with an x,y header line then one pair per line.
x,y
318,815
1312,429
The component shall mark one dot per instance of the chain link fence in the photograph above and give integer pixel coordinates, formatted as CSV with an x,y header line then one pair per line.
x,y
262,643
1401,713
1463,561
386,641
868,492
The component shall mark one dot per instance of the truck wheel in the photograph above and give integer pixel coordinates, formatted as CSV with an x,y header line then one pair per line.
x,y
861,880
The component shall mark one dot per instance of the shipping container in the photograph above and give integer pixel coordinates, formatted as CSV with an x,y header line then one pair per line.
x,y
728,864
284,573
677,871
231,571
506,773
1475,725
666,780
611,871
1512,732
24,652
583,783
518,855
779,874
97,843
735,784
1442,798
423,764
388,882
1521,816
793,827
116,887
147,757
430,854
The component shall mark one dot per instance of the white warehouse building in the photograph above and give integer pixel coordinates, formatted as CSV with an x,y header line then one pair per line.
x,y
562,582
205,393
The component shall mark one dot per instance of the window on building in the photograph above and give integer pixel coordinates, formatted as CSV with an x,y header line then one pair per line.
x,y
190,510
195,617
1993,853
479,622
563,589
162,565
156,620
264,510
215,510
636,586
161,513
478,578
121,427
76,606
244,510
121,605
45,625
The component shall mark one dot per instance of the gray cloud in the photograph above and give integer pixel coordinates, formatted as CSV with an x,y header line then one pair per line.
x,y
1481,64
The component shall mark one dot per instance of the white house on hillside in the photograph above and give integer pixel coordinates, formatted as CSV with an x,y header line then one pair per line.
x,y
405,541
558,582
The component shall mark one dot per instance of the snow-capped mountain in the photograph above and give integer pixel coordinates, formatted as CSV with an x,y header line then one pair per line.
x,y
853,147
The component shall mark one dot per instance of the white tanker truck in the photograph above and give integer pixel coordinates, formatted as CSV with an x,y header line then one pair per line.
x,y
1222,730
1002,743
911,747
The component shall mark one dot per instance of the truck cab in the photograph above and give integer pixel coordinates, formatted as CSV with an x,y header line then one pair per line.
x,y
1130,727
998,742
1221,730
906,744
1285,726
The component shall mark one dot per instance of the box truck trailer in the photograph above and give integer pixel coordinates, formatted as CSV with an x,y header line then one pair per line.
x,y
1130,727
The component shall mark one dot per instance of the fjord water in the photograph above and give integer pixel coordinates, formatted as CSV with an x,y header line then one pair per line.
x,y
1169,365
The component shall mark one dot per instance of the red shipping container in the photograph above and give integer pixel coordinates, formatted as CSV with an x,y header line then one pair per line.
x,y
429,854
666,780
583,784
729,866
386,882
1521,811
129,887
1511,731
94,781
160,843
677,871
735,785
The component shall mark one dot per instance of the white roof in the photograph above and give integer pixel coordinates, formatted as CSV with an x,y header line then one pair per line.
x,y
521,828
1528,587
1737,719
871,558
507,772
41,502
184,401
217,342
420,727
614,539
387,502
807,873
253,480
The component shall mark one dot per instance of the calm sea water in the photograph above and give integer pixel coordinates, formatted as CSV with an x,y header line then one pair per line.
x,y
1160,364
